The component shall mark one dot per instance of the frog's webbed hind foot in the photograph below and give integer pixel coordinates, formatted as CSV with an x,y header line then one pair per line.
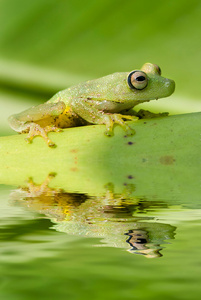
x,y
37,130
119,119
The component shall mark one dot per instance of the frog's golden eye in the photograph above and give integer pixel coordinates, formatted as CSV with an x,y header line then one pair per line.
x,y
158,69
137,80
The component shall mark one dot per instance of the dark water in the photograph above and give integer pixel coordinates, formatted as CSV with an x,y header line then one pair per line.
x,y
57,245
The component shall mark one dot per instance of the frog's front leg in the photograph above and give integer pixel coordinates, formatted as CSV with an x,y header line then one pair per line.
x,y
29,120
145,114
110,119
91,114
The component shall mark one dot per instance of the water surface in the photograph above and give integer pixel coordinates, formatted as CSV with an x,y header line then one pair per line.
x,y
58,245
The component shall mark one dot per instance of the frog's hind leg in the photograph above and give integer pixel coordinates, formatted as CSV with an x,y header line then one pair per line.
x,y
31,119
37,130
36,113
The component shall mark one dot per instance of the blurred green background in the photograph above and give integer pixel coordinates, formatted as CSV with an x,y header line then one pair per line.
x,y
48,45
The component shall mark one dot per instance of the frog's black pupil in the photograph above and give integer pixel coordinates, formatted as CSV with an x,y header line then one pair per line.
x,y
141,241
140,78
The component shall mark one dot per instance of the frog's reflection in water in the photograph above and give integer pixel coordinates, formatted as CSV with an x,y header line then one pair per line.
x,y
120,220
139,242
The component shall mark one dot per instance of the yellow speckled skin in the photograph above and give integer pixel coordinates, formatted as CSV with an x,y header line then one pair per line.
x,y
98,101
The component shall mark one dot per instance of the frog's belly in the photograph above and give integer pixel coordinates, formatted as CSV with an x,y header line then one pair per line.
x,y
67,119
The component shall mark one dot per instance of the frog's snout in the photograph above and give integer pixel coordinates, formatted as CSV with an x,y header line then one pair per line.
x,y
170,85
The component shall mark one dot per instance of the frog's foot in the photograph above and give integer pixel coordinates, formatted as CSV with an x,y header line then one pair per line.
x,y
145,114
37,130
119,119
36,190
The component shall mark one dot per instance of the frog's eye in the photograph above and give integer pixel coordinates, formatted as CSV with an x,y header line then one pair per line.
x,y
137,80
158,69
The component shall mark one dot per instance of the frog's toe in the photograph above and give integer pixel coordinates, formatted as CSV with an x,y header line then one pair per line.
x,y
119,120
51,144
129,131
109,133
131,118
28,140
52,129
58,130
109,123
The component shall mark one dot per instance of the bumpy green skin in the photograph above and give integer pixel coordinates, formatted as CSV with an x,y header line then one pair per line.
x,y
98,101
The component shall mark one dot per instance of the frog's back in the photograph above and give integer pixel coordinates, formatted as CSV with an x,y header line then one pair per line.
x,y
65,95
94,89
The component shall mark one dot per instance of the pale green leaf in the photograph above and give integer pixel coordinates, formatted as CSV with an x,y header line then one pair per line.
x,y
162,159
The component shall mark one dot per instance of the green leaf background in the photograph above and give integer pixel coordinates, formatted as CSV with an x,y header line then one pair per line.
x,y
47,45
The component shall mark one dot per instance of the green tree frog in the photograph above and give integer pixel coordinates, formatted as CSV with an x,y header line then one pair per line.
x,y
101,101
